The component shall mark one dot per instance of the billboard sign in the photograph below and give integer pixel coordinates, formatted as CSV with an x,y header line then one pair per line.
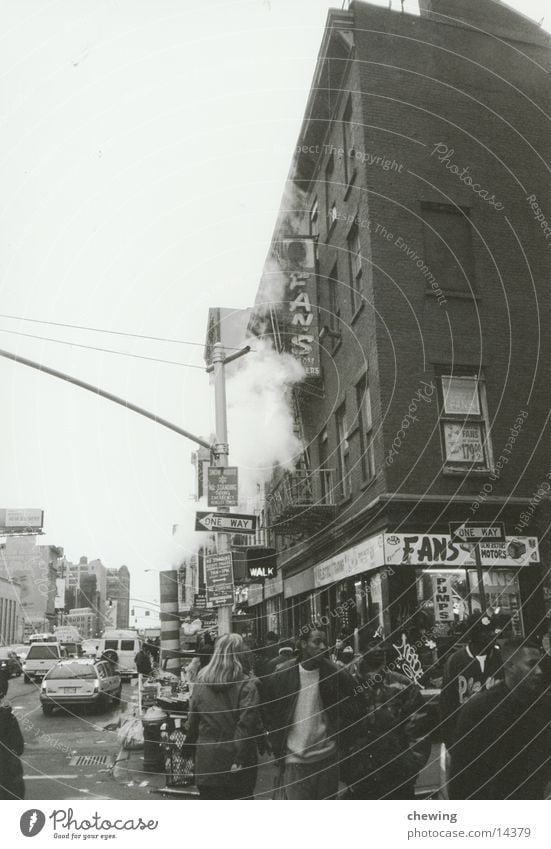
x,y
13,521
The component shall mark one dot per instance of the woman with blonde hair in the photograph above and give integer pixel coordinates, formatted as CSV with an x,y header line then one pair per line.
x,y
224,724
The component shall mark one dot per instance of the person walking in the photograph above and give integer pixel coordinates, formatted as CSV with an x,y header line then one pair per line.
x,y
311,713
224,724
502,746
12,785
393,745
143,662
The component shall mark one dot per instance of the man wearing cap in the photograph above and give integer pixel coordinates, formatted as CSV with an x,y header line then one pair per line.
x,y
468,670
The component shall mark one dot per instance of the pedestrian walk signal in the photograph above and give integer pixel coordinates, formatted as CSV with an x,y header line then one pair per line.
x,y
253,564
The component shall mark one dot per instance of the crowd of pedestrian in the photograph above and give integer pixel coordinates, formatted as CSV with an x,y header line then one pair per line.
x,y
347,726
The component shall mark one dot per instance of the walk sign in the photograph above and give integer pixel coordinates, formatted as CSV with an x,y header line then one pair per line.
x,y
477,532
227,523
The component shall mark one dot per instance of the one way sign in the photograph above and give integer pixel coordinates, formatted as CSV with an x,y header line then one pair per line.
x,y
228,523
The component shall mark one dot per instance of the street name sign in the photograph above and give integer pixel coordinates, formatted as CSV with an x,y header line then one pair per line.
x,y
219,578
222,486
227,523
477,532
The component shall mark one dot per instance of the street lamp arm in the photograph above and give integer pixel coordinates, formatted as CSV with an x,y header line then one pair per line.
x,y
104,394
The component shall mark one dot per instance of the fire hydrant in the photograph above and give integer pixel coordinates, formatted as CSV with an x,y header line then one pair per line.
x,y
153,756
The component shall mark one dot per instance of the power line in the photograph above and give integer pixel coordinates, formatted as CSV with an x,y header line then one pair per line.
x,y
103,350
111,332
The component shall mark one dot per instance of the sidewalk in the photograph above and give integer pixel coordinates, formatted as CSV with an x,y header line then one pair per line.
x,y
129,769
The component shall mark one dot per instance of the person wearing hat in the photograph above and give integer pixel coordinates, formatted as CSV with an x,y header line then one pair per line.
x,y
392,746
468,670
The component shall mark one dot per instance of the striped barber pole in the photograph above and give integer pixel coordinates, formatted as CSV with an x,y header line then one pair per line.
x,y
170,624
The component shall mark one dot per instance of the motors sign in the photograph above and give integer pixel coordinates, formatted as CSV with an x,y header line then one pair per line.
x,y
442,550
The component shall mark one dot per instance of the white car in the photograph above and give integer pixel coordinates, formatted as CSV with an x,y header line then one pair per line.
x,y
80,681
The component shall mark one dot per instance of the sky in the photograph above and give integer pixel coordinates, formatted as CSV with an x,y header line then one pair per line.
x,y
144,148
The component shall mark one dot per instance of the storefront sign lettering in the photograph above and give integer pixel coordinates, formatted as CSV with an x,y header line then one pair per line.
x,y
297,259
439,549
443,602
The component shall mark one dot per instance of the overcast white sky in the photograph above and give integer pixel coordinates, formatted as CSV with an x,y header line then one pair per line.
x,y
144,146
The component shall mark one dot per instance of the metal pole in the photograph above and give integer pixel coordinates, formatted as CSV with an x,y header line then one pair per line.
x,y
221,450
480,578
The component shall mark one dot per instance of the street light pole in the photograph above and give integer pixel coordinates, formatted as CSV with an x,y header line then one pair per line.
x,y
221,452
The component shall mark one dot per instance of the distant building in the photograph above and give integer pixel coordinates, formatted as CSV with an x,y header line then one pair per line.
x,y
11,618
84,619
118,590
33,570
86,585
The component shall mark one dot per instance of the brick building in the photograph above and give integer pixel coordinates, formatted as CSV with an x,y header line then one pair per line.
x,y
420,177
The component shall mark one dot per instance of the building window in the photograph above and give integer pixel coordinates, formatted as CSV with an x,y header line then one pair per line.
x,y
348,143
355,266
330,207
448,248
314,219
343,452
325,474
365,425
334,306
463,423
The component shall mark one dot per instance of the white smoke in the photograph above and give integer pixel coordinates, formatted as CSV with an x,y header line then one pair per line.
x,y
186,541
260,420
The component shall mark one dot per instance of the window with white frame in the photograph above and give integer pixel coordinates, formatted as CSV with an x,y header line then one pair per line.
x,y
348,142
463,422
343,452
356,270
365,425
314,219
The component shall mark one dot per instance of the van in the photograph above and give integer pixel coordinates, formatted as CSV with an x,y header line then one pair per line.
x,y
126,644
41,657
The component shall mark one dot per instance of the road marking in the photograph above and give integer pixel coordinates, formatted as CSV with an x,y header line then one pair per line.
x,y
46,777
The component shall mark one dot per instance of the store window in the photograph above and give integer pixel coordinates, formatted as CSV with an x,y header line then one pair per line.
x,y
464,418
355,266
365,424
343,452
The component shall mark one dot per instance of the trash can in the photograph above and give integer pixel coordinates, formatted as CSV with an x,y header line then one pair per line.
x,y
153,754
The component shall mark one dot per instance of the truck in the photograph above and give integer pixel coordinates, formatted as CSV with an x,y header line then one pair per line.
x,y
125,643
70,640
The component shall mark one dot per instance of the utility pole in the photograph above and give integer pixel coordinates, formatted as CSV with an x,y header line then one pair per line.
x,y
221,452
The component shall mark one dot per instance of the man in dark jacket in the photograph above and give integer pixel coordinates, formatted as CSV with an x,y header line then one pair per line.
x,y
143,662
468,670
11,747
311,712
393,744
502,747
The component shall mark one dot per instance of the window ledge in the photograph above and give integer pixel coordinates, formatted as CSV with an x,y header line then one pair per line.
x,y
358,311
466,473
350,185
343,502
366,484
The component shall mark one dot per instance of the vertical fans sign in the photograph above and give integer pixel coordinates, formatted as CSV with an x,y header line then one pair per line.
x,y
296,257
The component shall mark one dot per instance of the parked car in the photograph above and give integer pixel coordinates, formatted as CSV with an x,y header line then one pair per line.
x,y
41,657
80,681
10,662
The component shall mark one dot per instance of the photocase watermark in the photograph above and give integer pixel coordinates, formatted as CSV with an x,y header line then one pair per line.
x,y
50,741
543,491
383,232
539,216
339,611
487,489
409,418
444,154
376,160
